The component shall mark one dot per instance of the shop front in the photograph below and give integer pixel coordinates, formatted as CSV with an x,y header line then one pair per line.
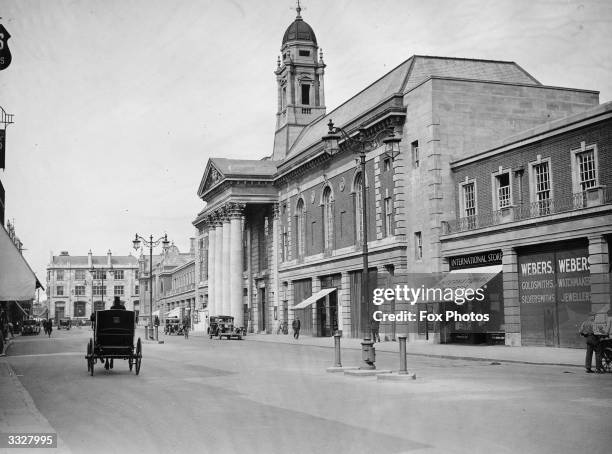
x,y
478,319
554,293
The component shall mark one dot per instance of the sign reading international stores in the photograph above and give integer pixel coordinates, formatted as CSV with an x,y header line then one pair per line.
x,y
5,53
555,296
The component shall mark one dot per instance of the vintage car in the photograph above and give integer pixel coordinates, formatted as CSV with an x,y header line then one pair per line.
x,y
30,327
64,323
223,326
173,326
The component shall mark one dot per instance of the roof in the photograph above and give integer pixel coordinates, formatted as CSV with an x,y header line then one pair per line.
x,y
101,260
406,77
299,31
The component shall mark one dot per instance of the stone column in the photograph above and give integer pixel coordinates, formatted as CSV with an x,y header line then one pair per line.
x,y
225,266
212,251
316,288
344,304
218,268
275,299
235,264
599,266
512,307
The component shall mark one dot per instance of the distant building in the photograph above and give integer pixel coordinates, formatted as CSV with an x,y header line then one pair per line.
x,y
78,285
173,283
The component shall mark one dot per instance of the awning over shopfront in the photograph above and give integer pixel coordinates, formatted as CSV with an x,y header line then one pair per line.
x,y
174,313
473,278
17,280
314,298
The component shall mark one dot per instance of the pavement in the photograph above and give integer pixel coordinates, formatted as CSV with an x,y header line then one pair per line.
x,y
18,413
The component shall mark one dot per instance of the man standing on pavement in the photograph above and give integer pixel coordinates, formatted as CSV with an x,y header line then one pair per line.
x,y
296,328
593,344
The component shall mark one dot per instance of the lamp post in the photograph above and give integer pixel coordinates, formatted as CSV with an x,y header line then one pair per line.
x,y
92,270
361,144
151,244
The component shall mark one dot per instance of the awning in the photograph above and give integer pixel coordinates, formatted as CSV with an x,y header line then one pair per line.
x,y
473,278
174,313
17,280
314,298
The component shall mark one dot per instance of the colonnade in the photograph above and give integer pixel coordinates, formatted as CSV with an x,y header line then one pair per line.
x,y
225,262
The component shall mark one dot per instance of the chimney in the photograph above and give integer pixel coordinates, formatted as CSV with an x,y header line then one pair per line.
x,y
89,259
108,259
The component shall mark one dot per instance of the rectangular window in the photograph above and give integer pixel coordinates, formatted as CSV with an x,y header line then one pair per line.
x,y
503,190
285,245
59,275
59,290
99,290
542,187
136,289
388,216
136,274
99,274
306,94
79,275
304,53
79,290
418,246
146,286
118,274
469,204
118,290
415,154
586,169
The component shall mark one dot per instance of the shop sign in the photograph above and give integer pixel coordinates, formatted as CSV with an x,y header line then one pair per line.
x,y
474,260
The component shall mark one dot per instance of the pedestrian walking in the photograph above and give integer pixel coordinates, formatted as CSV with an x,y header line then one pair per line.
x,y
375,331
49,327
186,327
592,344
296,328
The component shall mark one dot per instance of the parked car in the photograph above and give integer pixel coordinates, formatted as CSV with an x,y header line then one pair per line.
x,y
223,326
30,327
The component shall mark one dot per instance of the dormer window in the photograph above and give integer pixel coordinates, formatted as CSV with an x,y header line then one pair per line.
x,y
306,94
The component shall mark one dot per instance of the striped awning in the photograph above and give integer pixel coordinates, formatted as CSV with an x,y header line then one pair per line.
x,y
314,298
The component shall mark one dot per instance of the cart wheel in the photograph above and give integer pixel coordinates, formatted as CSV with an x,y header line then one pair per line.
x,y
138,355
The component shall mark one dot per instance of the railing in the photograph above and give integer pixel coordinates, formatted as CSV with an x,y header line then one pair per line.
x,y
548,207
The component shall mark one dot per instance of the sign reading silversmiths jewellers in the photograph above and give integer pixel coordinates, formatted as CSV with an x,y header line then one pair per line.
x,y
473,260
5,53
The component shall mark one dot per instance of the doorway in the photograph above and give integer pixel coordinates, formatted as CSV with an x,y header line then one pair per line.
x,y
262,309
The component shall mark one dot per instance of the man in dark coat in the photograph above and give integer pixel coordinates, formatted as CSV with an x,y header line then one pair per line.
x,y
117,305
593,344
296,328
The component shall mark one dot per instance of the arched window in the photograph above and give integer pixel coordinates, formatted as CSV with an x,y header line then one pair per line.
x,y
358,208
300,228
328,218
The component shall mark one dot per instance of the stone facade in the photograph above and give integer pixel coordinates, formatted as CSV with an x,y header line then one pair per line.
x,y
77,285
299,213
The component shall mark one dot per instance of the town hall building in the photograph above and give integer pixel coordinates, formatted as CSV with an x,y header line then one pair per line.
x,y
282,237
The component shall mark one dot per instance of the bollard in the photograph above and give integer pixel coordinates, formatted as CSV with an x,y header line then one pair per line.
x,y
402,346
337,350
156,332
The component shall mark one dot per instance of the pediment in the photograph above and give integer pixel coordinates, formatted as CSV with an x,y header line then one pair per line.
x,y
212,176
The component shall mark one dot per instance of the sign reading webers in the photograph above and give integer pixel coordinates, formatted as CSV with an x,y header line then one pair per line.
x,y
458,296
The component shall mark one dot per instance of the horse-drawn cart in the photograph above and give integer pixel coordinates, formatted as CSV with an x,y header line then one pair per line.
x,y
114,339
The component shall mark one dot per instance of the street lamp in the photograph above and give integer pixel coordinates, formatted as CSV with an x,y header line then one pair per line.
x,y
361,144
151,244
92,270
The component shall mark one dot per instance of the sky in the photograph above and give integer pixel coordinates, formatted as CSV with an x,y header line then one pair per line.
x,y
118,104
